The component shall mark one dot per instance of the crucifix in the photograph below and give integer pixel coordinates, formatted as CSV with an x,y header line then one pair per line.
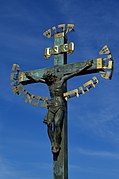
x,y
56,79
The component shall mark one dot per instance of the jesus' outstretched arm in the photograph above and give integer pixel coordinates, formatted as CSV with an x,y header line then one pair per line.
x,y
29,75
76,73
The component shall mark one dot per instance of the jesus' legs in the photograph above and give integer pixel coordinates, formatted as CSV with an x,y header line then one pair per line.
x,y
57,129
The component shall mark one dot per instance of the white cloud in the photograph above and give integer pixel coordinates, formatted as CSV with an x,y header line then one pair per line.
x,y
103,154
7,169
100,119
12,170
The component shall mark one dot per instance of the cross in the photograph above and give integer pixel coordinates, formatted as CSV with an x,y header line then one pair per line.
x,y
56,79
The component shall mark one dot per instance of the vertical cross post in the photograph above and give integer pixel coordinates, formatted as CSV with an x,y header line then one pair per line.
x,y
60,160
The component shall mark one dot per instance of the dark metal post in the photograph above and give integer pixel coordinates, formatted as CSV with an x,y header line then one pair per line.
x,y
60,160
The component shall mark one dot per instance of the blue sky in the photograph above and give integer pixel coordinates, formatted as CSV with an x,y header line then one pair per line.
x,y
93,119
